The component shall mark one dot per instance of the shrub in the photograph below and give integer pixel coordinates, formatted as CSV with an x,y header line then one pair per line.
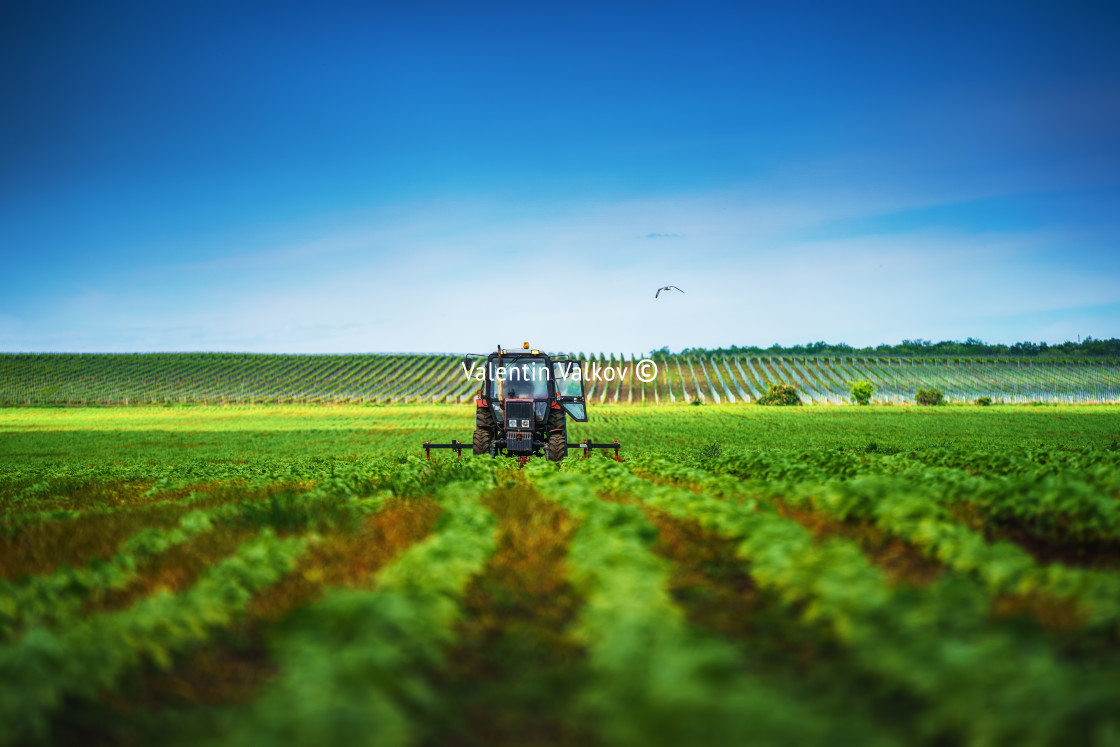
x,y
862,391
780,394
929,397
983,401
696,402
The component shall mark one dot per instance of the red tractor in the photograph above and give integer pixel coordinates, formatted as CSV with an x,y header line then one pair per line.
x,y
521,410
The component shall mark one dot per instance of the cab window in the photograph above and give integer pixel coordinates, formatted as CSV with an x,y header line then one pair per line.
x,y
525,378
569,381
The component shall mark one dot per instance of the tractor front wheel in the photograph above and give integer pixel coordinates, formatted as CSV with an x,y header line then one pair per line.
x,y
557,447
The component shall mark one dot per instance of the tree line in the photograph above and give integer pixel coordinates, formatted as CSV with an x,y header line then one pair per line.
x,y
1089,347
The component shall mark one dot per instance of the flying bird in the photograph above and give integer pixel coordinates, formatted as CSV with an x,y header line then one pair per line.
x,y
667,287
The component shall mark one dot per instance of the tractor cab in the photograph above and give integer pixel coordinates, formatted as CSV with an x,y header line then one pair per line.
x,y
532,379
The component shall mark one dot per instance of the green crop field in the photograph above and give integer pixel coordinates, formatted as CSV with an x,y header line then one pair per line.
x,y
259,575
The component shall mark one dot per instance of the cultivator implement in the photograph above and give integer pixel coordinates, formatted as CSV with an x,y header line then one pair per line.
x,y
586,446
458,446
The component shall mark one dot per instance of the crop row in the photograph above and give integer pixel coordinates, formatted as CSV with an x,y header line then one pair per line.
x,y
392,635
45,667
68,654
656,680
982,684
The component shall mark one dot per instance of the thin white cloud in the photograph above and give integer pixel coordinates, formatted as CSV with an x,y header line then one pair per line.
x,y
463,276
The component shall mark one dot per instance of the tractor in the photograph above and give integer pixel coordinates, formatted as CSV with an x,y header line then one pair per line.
x,y
521,410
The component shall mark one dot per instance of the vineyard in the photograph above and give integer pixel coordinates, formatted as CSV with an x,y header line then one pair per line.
x,y
212,378
297,575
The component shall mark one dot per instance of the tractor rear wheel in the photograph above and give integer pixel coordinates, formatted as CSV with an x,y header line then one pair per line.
x,y
482,439
557,447
483,430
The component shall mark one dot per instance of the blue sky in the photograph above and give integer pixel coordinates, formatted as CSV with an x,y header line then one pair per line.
x,y
304,178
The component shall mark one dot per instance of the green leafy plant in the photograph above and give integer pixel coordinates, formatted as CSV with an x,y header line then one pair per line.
x,y
983,401
711,450
861,392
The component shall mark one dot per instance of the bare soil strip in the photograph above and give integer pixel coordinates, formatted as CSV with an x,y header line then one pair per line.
x,y
1097,555
348,558
174,570
44,548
